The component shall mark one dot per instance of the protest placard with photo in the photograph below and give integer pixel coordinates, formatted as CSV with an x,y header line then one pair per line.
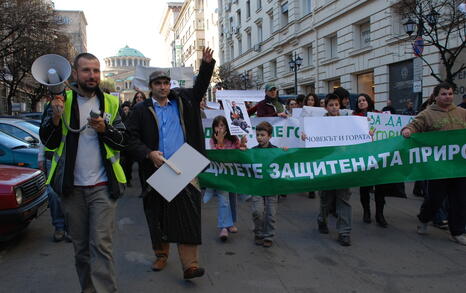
x,y
335,131
237,117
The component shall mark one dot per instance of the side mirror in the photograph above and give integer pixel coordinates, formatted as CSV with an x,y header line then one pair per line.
x,y
30,139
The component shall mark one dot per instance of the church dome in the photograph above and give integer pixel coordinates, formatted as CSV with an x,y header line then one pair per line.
x,y
129,52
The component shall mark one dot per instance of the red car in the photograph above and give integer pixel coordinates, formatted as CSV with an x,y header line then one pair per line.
x,y
23,197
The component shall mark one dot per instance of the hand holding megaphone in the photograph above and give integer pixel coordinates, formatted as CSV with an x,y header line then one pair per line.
x,y
58,106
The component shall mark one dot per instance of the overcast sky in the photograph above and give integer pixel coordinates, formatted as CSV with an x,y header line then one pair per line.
x,y
113,24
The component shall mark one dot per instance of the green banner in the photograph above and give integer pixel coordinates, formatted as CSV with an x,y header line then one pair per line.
x,y
432,155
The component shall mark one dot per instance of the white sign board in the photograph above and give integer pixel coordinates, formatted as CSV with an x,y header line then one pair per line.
x,y
165,180
336,131
246,96
237,117
387,125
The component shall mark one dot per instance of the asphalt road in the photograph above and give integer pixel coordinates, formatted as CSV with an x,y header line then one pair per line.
x,y
392,260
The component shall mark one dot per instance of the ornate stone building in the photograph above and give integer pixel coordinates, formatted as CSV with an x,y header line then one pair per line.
x,y
121,68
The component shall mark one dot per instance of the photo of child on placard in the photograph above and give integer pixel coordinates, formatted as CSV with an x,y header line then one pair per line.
x,y
237,117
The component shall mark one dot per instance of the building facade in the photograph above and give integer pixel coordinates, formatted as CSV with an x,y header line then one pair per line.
x,y
121,68
357,44
173,45
74,25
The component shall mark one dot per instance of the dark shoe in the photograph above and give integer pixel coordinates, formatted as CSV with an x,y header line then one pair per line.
x,y
193,272
311,194
160,263
366,216
344,240
268,243
258,240
59,235
323,229
380,219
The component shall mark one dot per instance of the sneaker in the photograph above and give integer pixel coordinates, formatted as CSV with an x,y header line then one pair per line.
x,y
461,239
323,229
223,234
58,235
442,224
344,239
258,240
422,228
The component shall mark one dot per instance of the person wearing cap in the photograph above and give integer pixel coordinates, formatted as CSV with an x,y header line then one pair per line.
x,y
159,126
270,106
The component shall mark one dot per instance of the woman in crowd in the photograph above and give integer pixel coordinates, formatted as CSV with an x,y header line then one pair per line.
x,y
364,105
311,100
223,140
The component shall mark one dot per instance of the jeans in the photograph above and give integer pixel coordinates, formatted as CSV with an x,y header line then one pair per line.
x,y
226,209
264,210
344,210
453,190
56,212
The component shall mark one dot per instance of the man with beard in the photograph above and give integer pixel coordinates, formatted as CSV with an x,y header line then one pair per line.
x,y
85,130
159,126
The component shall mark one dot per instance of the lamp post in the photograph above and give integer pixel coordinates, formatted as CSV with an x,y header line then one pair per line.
x,y
245,78
411,25
295,62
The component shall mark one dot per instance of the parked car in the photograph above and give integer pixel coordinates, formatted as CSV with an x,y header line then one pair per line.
x,y
32,115
23,197
20,129
16,152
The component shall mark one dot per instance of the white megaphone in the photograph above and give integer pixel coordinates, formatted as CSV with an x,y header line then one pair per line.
x,y
51,70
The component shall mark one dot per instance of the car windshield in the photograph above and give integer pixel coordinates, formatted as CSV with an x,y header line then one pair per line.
x,y
29,126
10,142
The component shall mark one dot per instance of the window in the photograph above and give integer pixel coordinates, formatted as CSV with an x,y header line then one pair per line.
x,y
232,52
366,83
259,4
333,84
308,55
238,16
273,68
259,32
14,131
307,7
260,73
248,8
232,22
365,35
331,47
288,58
240,47
249,39
284,10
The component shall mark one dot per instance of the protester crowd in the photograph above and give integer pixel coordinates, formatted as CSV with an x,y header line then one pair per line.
x,y
90,165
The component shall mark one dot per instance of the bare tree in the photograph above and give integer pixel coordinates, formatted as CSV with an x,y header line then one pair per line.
x,y
442,25
232,80
28,30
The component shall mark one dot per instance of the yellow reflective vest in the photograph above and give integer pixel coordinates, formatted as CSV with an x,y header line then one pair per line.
x,y
110,107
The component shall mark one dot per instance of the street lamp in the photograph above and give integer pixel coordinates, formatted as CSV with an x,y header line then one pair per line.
x,y
295,62
410,25
245,78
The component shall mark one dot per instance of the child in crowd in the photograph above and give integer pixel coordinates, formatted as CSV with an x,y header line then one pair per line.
x,y
340,196
223,140
264,208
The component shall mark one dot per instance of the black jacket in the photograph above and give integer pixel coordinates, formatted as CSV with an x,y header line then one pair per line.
x,y
115,136
143,127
